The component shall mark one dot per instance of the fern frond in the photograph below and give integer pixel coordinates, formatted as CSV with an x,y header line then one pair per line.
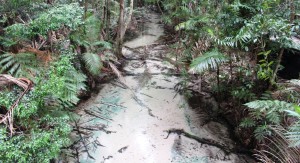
x,y
21,64
74,82
261,132
247,122
93,62
270,105
293,135
210,60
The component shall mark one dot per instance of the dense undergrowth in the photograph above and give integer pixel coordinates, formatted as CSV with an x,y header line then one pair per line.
x,y
58,46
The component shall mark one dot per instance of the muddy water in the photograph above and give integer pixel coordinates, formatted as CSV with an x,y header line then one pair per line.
x,y
139,109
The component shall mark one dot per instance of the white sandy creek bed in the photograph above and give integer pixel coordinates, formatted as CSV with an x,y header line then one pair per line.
x,y
141,110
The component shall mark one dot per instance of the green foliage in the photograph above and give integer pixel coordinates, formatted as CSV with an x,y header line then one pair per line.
x,y
41,115
72,80
268,106
247,122
40,146
88,36
265,71
264,113
243,93
69,16
293,133
210,60
21,64
14,6
93,62
16,33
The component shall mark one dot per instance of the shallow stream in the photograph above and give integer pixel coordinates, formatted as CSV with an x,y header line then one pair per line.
x,y
136,112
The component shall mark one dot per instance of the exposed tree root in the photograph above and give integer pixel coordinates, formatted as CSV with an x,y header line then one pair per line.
x,y
225,148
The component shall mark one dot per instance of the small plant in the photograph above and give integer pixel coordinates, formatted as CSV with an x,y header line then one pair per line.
x,y
265,71
209,60
263,114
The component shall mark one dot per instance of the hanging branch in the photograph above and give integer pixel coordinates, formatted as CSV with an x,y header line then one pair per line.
x,y
26,84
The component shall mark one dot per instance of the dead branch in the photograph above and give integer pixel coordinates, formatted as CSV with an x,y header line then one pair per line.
x,y
26,84
96,115
225,148
113,105
83,141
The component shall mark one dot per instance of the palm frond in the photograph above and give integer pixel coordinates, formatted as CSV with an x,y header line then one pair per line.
x,y
210,60
93,62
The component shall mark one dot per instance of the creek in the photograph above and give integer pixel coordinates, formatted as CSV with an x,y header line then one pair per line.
x,y
131,119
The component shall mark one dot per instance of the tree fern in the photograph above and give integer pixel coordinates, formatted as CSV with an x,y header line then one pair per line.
x,y
210,60
93,62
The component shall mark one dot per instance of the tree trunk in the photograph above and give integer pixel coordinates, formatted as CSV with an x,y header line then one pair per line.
x,y
107,20
85,8
292,8
129,18
218,83
119,40
122,27
159,7
277,66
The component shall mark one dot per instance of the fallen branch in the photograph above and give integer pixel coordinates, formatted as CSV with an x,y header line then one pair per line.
x,y
113,105
95,115
225,148
26,84
83,142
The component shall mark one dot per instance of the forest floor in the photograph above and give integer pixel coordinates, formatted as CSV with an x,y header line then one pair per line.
x,y
141,118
